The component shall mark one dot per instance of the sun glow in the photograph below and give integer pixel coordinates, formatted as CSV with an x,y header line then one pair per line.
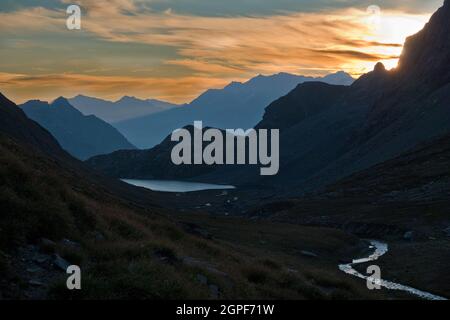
x,y
388,32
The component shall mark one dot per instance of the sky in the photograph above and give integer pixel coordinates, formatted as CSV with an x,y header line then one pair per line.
x,y
174,50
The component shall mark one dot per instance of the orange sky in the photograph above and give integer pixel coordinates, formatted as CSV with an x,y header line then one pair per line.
x,y
124,50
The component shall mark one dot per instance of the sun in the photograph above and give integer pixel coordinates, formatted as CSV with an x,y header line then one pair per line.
x,y
387,32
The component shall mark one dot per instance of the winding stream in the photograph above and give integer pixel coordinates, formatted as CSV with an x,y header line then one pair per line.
x,y
381,249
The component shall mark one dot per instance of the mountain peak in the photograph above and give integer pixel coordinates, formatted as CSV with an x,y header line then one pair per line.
x,y
426,55
63,103
379,67
127,99
60,100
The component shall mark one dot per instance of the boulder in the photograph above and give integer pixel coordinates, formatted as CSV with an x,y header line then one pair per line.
x,y
202,279
214,290
308,254
409,235
60,263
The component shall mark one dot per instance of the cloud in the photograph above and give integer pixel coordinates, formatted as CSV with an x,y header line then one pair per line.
x,y
47,87
218,48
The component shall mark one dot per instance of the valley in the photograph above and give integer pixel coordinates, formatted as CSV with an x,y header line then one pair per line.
x,y
362,179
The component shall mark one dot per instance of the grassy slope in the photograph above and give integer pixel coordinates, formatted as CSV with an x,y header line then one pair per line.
x,y
405,194
141,252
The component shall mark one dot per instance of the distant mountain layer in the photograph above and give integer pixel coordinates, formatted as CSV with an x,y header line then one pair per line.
x,y
238,105
328,132
121,110
15,123
82,136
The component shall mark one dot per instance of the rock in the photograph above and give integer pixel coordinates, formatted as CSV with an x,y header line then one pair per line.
x,y
214,290
204,234
34,269
70,243
41,259
308,254
192,262
290,270
196,263
36,283
202,279
47,243
98,236
408,236
195,229
447,231
60,263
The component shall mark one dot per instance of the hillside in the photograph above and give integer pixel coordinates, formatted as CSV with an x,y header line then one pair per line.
x,y
54,213
238,105
82,136
404,201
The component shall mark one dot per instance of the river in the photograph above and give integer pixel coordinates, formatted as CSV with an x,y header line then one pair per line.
x,y
381,249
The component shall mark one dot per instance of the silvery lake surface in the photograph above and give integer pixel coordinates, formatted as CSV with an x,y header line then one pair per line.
x,y
175,186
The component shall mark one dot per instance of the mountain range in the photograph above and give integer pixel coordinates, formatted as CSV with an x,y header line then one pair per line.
x,y
56,212
328,131
238,105
123,109
80,135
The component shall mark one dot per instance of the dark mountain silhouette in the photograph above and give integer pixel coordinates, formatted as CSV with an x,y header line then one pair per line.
x,y
383,114
15,123
329,132
420,174
152,163
123,109
238,105
56,213
82,136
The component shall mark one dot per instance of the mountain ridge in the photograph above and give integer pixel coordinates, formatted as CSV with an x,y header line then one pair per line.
x,y
219,108
329,132
125,108
82,136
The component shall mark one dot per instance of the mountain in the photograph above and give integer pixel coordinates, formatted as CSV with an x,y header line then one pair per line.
x,y
238,105
404,201
328,132
82,136
154,163
56,213
417,175
15,123
381,115
123,109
